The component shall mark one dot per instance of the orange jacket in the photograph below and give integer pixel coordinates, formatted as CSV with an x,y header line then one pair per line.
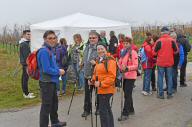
x,y
107,79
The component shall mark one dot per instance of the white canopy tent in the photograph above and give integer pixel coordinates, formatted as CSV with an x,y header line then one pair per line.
x,y
76,23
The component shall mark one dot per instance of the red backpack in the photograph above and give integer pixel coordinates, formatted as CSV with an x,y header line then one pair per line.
x,y
32,65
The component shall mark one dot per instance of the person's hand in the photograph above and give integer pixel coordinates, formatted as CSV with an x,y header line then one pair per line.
x,y
93,62
97,83
123,67
61,72
90,82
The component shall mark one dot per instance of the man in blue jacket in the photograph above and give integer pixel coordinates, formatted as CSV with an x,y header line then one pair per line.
x,y
49,77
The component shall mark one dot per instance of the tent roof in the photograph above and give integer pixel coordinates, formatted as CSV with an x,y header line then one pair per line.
x,y
78,20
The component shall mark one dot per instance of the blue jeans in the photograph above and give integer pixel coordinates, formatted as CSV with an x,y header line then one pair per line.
x,y
79,75
147,80
161,71
64,83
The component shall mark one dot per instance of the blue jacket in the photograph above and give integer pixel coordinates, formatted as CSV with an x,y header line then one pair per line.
x,y
181,55
49,72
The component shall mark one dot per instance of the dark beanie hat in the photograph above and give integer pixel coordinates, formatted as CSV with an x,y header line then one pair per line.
x,y
165,29
104,45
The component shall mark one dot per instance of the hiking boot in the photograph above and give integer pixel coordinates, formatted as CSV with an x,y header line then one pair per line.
x,y
29,96
97,112
183,85
160,97
85,114
60,124
169,96
123,118
132,113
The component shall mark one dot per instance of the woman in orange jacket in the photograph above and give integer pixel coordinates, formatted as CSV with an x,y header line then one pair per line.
x,y
104,80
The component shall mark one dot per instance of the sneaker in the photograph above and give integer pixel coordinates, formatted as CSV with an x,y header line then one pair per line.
x,y
31,93
146,93
150,93
169,96
160,97
60,124
29,96
85,114
123,118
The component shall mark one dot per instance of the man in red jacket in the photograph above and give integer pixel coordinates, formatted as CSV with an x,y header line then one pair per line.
x,y
165,48
148,64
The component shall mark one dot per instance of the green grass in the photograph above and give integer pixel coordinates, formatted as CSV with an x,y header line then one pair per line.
x,y
11,96
190,53
10,85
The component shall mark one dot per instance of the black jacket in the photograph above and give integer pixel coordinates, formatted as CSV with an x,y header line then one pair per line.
x,y
181,39
112,48
24,50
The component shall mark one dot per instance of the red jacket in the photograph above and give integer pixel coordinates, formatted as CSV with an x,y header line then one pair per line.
x,y
149,53
120,47
134,47
165,54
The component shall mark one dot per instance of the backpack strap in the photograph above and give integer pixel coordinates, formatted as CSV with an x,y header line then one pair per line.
x,y
106,62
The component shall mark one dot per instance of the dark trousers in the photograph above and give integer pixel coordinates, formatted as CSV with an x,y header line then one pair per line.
x,y
128,89
175,74
49,104
153,79
24,80
106,115
88,97
183,72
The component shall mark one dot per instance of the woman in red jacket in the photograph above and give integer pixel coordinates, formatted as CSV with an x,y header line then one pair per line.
x,y
128,64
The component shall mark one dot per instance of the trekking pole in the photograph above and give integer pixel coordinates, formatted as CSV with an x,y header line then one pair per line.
x,y
91,106
96,103
72,97
122,82
111,101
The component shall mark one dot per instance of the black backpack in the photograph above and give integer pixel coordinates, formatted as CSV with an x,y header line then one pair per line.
x,y
118,72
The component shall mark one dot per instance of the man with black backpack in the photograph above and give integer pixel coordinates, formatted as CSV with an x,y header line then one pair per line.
x,y
24,49
182,40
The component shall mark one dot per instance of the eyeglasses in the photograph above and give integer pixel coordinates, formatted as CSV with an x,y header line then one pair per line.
x,y
92,37
51,38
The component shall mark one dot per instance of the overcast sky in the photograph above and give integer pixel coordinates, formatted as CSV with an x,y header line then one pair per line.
x,y
133,11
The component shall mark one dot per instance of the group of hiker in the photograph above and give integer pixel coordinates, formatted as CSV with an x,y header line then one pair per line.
x,y
98,64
